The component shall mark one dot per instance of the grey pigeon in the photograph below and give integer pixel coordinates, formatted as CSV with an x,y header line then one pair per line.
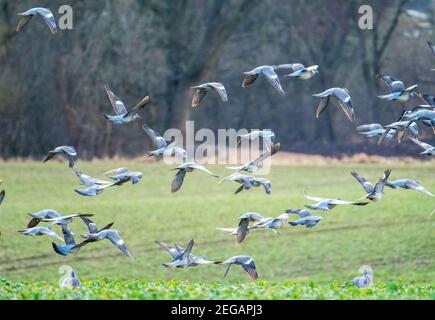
x,y
364,281
299,71
43,214
247,182
379,133
305,218
40,231
324,204
420,113
343,98
105,233
88,180
183,257
157,140
243,229
201,91
373,130
70,281
122,115
127,176
69,151
70,244
182,170
117,171
369,127
397,88
428,149
269,72
408,184
246,262
267,135
93,190
65,220
255,165
423,113
174,150
272,223
399,127
373,193
45,13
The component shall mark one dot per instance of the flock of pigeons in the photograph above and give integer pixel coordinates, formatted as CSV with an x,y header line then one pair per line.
x,y
182,257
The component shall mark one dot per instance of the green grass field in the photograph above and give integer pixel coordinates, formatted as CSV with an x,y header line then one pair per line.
x,y
395,236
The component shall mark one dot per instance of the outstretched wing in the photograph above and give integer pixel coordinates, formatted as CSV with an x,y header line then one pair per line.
x,y
202,168
172,251
68,236
292,66
116,239
49,156
275,148
266,185
300,212
343,202
251,269
92,227
422,145
418,187
239,189
178,181
345,103
117,104
273,79
322,105
188,251
242,230
198,96
370,127
367,185
22,21
139,106
426,98
220,89
48,18
157,139
316,199
249,79
379,187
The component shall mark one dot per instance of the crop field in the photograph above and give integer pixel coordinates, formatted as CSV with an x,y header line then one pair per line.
x,y
395,236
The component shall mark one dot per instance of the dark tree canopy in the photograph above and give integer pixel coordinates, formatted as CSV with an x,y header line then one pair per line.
x,y
52,87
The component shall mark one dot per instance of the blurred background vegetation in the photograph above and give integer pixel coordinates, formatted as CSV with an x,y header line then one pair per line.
x,y
52,87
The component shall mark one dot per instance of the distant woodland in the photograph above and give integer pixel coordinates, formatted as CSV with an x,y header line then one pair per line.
x,y
52,86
